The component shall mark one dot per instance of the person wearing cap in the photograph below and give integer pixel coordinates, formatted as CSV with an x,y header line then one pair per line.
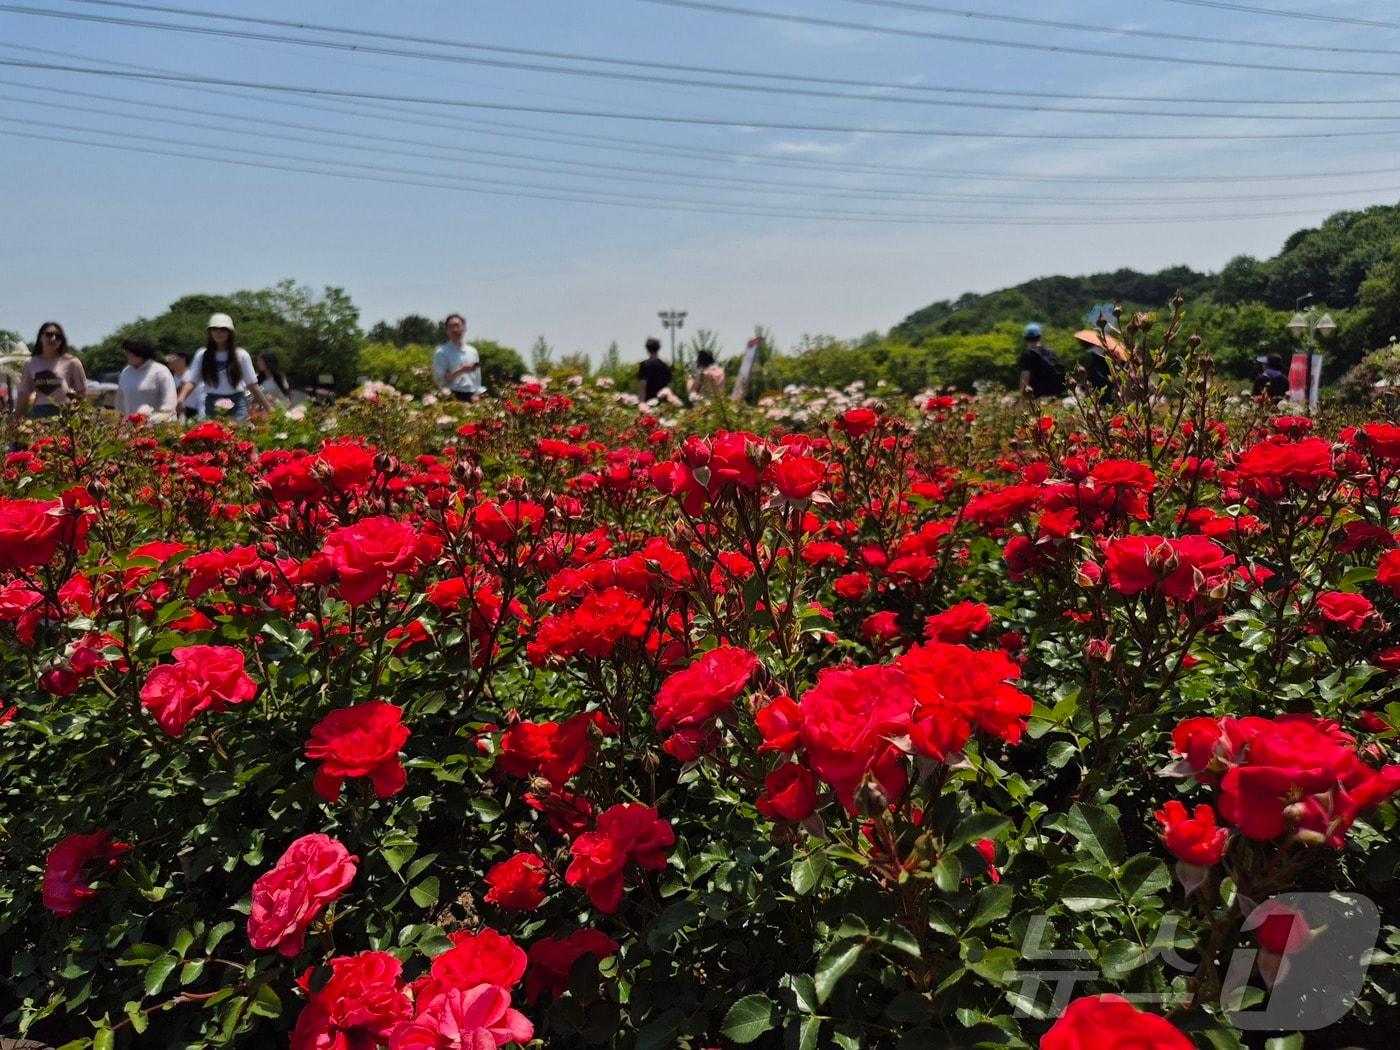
x,y
1273,381
226,371
457,365
145,387
1042,372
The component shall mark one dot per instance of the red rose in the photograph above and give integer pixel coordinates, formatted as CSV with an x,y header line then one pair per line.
x,y
852,586
705,689
72,864
857,421
779,723
484,957
1196,840
359,741
203,677
958,623
314,871
360,1005
552,750
987,849
500,522
517,884
1388,571
626,833
789,793
551,960
1383,439
880,628
1278,928
1265,469
958,689
796,477
848,719
1110,1022
32,530
369,553
476,1018
1350,611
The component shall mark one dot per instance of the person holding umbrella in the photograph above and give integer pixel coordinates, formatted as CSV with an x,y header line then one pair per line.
x,y
1099,346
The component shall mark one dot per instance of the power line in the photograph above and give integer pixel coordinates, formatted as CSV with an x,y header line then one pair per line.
x,y
414,179
613,143
701,121
652,176
751,74
667,80
1088,27
1221,5
1019,45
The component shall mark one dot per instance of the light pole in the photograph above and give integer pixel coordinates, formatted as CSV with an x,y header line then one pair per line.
x,y
1308,326
671,320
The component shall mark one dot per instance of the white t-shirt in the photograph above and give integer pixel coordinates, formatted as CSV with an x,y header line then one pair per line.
x,y
274,393
448,358
223,384
149,390
195,402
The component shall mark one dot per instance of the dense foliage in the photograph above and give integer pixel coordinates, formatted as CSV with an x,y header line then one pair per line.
x,y
554,721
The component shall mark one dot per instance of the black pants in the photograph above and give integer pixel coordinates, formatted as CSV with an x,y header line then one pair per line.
x,y
462,395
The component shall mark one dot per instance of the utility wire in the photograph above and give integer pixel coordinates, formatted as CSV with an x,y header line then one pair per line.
x,y
1020,45
703,121
1099,27
403,114
1310,16
676,81
633,63
471,155
626,202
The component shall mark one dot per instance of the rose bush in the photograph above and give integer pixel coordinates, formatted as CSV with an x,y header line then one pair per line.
x,y
548,722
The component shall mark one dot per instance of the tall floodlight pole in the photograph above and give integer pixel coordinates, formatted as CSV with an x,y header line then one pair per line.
x,y
1308,326
671,320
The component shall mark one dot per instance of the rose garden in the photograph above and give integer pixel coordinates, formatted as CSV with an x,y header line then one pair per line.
x,y
832,721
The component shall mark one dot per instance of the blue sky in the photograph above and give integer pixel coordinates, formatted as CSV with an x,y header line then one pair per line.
x,y
96,236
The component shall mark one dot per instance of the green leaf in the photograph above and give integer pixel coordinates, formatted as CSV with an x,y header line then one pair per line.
x,y
104,1039
159,971
267,1003
1144,876
141,955
1086,893
977,826
488,809
833,965
808,1037
807,873
947,873
425,894
217,934
909,1008
749,1018
993,903
1097,831
1285,1042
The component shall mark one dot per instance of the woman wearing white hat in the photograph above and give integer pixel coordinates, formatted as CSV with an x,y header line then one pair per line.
x,y
226,371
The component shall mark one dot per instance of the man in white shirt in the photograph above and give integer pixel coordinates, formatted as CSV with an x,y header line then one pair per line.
x,y
457,365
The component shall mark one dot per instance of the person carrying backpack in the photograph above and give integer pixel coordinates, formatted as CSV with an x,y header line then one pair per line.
x,y
1042,372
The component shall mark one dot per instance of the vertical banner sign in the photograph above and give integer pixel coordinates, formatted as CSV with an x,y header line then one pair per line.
x,y
1316,382
1298,378
741,381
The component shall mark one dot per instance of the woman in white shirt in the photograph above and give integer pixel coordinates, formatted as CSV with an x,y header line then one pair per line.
x,y
226,371
145,387
191,406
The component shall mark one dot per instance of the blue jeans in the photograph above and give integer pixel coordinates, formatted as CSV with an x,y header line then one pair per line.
x,y
240,405
43,412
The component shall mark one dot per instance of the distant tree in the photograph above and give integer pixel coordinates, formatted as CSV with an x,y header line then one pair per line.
x,y
325,332
500,365
612,359
409,330
541,356
702,339
576,363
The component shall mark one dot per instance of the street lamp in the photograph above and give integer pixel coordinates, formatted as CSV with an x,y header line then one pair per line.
x,y
1308,326
671,320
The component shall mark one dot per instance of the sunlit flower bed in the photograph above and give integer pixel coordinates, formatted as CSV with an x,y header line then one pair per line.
x,y
552,722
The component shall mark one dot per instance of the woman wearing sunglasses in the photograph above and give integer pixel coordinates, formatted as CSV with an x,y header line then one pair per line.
x,y
53,376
